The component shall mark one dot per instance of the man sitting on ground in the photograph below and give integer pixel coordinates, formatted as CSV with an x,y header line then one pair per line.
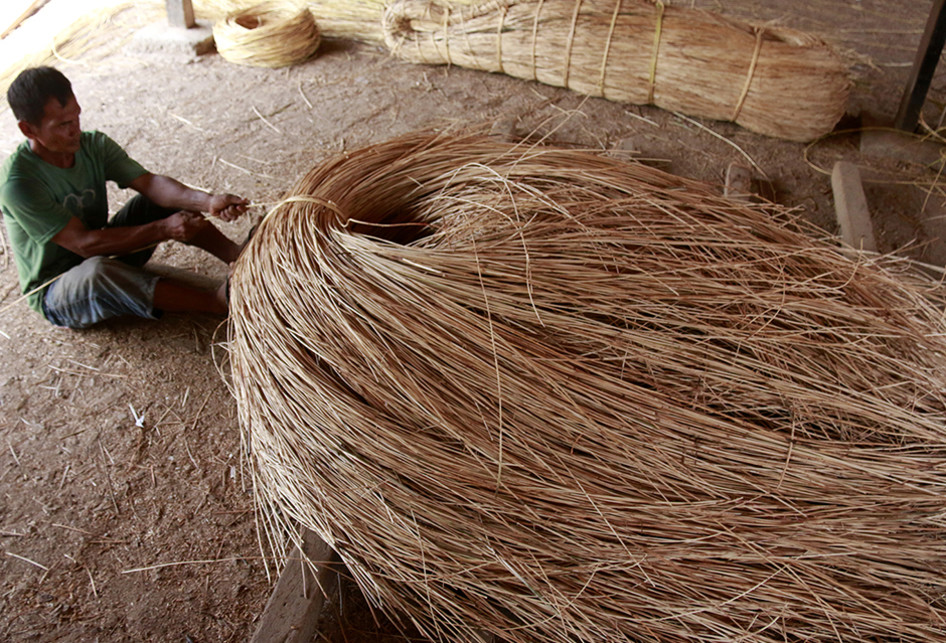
x,y
76,266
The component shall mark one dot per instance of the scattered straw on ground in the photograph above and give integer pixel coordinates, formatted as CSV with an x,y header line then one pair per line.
x,y
559,397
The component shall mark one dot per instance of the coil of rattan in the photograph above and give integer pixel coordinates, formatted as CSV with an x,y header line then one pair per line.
x,y
269,34
558,397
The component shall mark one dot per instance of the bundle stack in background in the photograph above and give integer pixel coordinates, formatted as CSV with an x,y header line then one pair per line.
x,y
349,19
773,81
559,397
352,19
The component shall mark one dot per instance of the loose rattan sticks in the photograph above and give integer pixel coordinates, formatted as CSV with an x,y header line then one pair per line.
x,y
559,397
269,34
770,80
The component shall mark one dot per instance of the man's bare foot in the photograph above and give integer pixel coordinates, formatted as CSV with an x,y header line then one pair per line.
x,y
249,235
222,296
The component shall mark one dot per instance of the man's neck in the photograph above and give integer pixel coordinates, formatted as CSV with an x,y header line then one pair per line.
x,y
63,160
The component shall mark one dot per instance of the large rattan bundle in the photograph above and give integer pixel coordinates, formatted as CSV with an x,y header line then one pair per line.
x,y
774,81
559,397
269,34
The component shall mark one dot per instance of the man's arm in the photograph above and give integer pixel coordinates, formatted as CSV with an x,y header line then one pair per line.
x,y
171,193
180,226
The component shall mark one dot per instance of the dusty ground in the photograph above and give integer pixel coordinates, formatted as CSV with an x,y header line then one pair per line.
x,y
124,510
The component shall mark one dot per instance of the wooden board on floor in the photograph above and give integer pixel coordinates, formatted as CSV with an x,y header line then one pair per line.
x,y
292,613
851,207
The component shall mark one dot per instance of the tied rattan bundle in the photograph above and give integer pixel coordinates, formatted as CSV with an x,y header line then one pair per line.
x,y
352,19
356,19
270,34
773,81
557,397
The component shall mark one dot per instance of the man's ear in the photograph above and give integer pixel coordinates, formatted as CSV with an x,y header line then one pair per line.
x,y
27,128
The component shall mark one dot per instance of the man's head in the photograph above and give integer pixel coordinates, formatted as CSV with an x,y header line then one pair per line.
x,y
33,88
47,113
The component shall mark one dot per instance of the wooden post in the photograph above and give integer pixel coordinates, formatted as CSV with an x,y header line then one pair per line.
x,y
292,613
181,13
33,7
927,57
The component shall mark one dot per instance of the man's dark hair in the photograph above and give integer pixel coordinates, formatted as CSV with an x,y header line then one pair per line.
x,y
33,88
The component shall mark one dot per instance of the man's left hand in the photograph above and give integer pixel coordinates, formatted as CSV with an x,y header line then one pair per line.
x,y
228,207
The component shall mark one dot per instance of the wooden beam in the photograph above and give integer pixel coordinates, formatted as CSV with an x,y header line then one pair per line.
x,y
181,13
28,11
292,613
927,57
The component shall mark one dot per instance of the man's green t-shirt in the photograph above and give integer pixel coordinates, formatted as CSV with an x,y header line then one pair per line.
x,y
38,200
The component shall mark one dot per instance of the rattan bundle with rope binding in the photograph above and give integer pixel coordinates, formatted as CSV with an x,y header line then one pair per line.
x,y
356,19
559,397
269,34
770,80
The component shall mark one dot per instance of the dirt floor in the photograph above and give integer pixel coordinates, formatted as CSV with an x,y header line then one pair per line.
x,y
125,512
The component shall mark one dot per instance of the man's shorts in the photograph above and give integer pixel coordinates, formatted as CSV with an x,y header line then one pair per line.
x,y
100,288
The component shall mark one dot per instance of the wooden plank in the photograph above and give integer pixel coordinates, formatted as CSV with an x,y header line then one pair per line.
x,y
292,613
738,182
850,206
181,13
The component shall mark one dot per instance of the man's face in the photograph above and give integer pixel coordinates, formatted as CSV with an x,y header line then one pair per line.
x,y
58,132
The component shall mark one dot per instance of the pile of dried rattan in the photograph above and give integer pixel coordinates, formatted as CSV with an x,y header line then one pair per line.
x,y
559,397
269,34
774,81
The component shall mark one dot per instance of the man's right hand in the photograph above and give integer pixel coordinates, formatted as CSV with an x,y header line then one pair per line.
x,y
184,226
